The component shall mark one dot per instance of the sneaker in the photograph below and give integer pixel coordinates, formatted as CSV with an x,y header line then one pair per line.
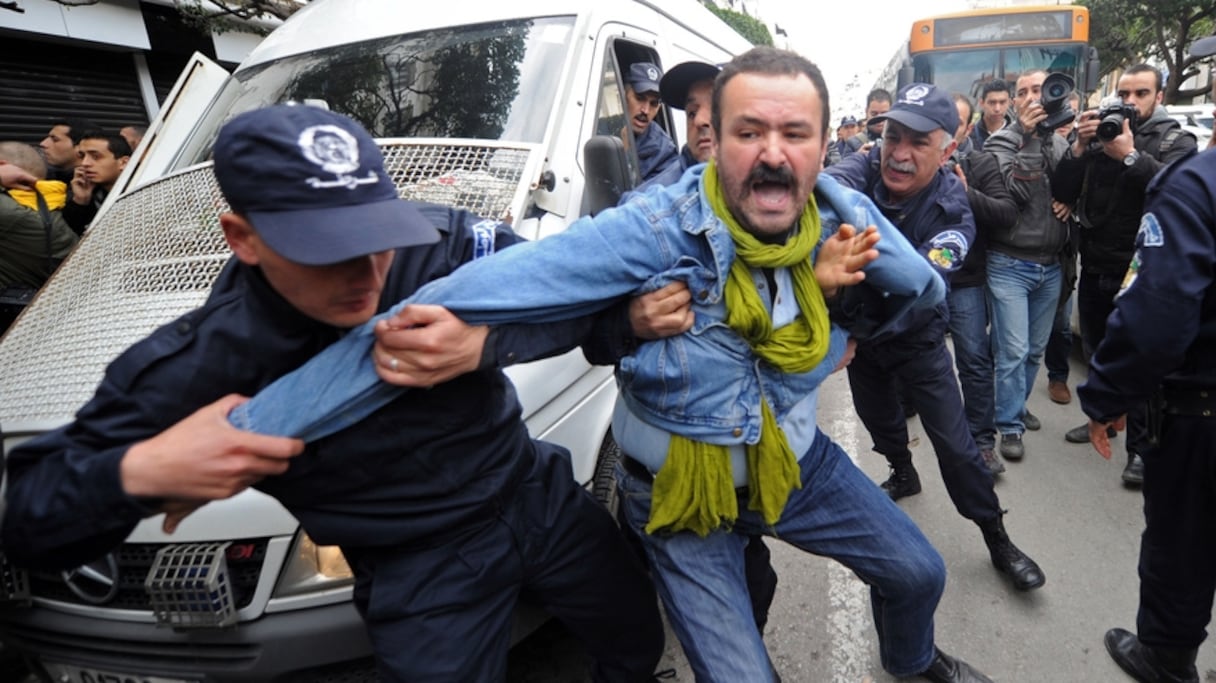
x,y
1058,392
1032,423
1011,446
993,463
1081,434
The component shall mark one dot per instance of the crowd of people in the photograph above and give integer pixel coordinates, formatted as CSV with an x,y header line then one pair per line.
x,y
50,194
935,217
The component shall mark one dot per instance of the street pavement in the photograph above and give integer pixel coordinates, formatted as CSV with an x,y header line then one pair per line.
x,y
1067,508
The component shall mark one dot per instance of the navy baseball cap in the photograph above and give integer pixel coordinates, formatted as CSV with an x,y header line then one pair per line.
x,y
675,84
644,77
312,183
923,108
848,121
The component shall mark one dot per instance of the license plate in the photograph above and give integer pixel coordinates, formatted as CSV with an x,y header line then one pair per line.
x,y
70,673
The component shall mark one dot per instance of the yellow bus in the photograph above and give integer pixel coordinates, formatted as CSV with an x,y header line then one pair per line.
x,y
961,52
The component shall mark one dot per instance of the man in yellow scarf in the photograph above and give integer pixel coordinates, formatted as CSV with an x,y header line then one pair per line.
x,y
718,424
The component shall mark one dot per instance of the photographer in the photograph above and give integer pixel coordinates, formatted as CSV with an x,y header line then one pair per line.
x,y
1024,272
1118,150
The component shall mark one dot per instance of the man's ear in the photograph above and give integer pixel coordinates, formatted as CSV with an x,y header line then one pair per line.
x,y
949,149
240,236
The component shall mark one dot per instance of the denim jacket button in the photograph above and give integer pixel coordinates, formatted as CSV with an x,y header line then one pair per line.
x,y
703,294
738,431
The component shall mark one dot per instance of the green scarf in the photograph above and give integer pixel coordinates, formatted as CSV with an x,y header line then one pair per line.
x,y
694,489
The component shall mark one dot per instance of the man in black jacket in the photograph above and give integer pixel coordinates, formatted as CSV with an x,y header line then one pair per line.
x,y
994,209
1104,175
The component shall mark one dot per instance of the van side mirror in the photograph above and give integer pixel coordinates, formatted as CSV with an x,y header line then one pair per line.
x,y
608,175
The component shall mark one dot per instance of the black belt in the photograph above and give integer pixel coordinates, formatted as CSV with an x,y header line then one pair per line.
x,y
1190,402
640,471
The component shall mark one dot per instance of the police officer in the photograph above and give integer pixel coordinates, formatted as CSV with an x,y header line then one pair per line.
x,y
442,504
907,179
1161,339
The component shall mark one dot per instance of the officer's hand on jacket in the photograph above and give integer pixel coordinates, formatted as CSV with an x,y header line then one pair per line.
x,y
201,458
665,312
424,345
842,256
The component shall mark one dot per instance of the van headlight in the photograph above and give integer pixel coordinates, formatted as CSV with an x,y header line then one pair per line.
x,y
311,567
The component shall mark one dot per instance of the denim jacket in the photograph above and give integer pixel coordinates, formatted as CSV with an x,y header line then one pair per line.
x,y
704,384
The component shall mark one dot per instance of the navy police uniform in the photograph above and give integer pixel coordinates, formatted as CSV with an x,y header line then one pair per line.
x,y
1161,339
443,505
939,223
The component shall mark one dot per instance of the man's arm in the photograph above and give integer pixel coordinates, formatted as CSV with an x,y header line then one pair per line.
x,y
75,493
15,177
988,195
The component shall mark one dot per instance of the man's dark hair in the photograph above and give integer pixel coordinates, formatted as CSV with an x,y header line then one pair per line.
x,y
1146,68
117,144
773,62
77,128
877,95
960,97
995,85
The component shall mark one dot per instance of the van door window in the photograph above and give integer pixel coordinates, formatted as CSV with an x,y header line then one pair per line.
x,y
612,115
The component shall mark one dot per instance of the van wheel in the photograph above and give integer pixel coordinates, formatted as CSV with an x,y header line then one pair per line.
x,y
603,485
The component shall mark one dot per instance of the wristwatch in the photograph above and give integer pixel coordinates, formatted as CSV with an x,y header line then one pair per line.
x,y
1131,158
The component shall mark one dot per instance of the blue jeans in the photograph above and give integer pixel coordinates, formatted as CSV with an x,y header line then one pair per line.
x,y
973,358
838,513
1022,297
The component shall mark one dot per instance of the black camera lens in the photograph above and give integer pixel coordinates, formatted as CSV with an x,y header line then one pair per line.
x,y
1056,91
1110,127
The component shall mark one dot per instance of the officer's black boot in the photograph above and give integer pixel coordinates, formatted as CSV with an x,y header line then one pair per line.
x,y
1006,557
1133,474
904,481
947,669
1151,664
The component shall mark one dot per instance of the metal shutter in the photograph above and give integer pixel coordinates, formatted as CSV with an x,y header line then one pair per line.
x,y
42,81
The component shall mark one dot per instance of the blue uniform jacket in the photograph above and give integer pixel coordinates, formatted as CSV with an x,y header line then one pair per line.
x,y
937,221
429,462
704,384
1163,328
656,151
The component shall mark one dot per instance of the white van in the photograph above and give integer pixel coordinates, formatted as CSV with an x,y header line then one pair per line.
x,y
487,106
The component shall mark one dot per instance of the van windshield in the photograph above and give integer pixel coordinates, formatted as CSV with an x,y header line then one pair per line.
x,y
494,81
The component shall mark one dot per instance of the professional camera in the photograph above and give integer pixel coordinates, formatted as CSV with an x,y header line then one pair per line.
x,y
1054,98
1111,114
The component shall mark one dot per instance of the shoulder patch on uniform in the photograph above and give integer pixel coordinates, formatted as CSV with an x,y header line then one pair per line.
x,y
1129,278
1150,234
483,238
948,249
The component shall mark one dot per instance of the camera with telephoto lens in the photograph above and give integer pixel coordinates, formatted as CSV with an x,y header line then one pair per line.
x,y
1054,98
1112,112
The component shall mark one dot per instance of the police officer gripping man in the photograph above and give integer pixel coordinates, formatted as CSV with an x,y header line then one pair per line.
x,y
442,504
1161,340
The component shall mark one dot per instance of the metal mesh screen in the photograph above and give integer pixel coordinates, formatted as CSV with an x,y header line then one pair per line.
x,y
188,586
155,253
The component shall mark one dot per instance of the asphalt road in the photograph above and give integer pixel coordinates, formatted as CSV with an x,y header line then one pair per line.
x,y
1067,508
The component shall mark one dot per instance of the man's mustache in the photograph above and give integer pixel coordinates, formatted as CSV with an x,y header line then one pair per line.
x,y
766,174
